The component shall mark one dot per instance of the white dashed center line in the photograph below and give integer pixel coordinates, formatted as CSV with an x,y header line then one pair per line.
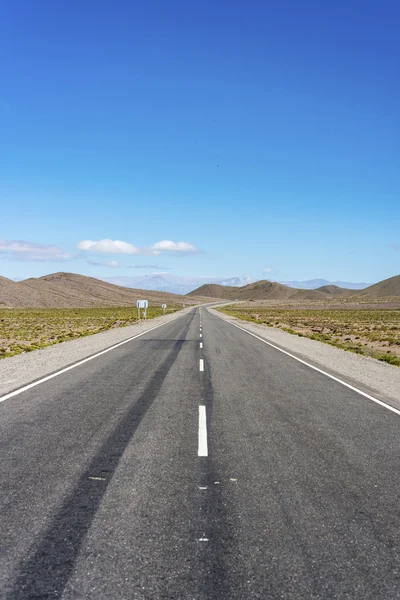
x,y
201,365
203,446
201,344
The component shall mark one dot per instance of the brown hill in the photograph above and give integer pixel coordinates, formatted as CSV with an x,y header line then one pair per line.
x,y
13,293
334,290
387,287
272,290
213,290
260,290
69,290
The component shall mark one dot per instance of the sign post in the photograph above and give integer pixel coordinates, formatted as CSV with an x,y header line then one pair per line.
x,y
164,306
142,304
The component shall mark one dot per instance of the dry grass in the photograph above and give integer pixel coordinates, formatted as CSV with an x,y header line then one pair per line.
x,y
372,331
24,330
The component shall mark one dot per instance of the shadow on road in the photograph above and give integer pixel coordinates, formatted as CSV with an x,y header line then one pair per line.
x,y
46,572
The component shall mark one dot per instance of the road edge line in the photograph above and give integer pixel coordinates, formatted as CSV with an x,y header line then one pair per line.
x,y
77,364
348,385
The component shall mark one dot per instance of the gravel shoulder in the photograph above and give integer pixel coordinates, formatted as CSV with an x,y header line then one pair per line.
x,y
22,369
368,374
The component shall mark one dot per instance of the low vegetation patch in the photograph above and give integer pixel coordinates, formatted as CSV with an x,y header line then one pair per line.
x,y
24,330
372,332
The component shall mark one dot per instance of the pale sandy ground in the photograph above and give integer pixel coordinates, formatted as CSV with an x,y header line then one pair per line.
x,y
372,376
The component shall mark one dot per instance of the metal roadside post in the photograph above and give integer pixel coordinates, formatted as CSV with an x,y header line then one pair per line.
x,y
164,306
142,304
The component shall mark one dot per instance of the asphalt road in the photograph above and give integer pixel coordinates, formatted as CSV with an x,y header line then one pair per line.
x,y
111,487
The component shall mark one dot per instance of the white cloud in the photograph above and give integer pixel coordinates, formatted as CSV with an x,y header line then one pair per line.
x,y
99,263
108,246
111,263
267,270
146,267
22,250
170,246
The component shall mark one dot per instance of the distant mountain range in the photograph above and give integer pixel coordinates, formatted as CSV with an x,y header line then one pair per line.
x,y
174,284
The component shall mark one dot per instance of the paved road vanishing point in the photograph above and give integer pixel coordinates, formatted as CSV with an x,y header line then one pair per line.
x,y
198,462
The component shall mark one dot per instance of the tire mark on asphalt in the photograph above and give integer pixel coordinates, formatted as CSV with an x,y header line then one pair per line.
x,y
45,573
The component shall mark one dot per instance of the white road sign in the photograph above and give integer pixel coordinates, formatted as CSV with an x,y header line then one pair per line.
x,y
142,303
164,306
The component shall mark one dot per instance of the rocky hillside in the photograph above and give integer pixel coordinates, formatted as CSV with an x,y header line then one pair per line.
x,y
69,290
270,290
387,287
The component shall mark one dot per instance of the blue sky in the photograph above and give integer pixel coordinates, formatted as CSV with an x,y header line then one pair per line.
x,y
263,135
